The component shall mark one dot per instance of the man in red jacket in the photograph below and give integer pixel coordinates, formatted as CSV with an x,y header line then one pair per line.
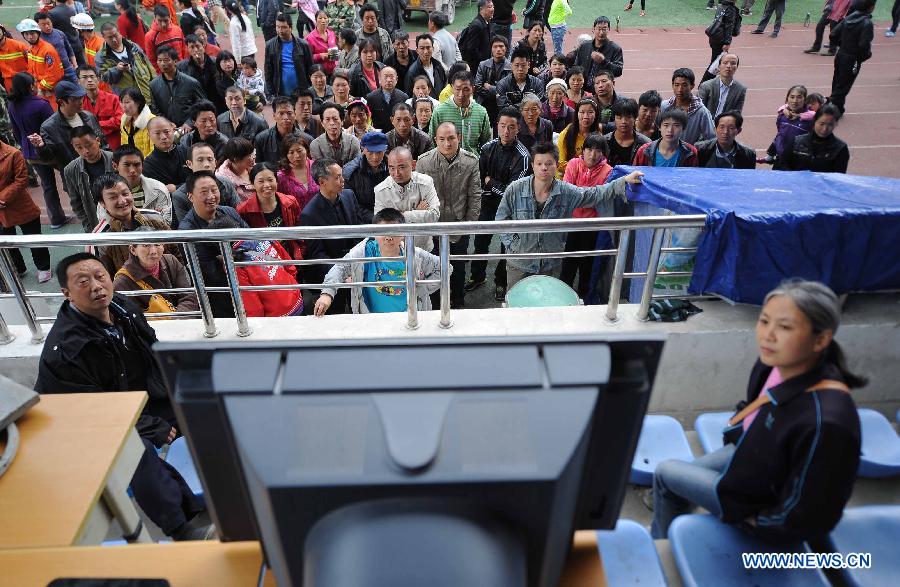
x,y
104,105
163,34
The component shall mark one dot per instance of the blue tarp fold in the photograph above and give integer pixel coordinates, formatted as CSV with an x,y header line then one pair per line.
x,y
765,226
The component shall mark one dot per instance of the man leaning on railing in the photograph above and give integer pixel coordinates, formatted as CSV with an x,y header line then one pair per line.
x,y
542,196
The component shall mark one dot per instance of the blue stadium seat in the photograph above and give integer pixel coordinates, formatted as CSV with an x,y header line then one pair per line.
x,y
872,529
708,552
629,556
662,438
880,446
180,457
709,428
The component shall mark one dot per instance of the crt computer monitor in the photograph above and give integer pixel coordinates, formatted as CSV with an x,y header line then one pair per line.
x,y
465,461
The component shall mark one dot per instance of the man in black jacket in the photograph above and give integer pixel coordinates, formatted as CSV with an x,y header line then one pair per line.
x,y
284,82
54,142
332,206
268,142
724,151
367,170
239,121
381,101
174,92
425,64
854,37
101,342
601,53
202,68
205,129
519,82
165,162
478,48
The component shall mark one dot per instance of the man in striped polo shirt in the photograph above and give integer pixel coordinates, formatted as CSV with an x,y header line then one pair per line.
x,y
469,116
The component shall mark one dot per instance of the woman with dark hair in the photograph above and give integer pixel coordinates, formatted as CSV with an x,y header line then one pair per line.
x,y
359,119
243,42
130,24
323,43
533,43
424,110
240,157
365,75
226,71
135,119
572,137
150,267
270,207
791,450
340,87
818,150
575,82
27,112
588,170
295,174
422,88
318,80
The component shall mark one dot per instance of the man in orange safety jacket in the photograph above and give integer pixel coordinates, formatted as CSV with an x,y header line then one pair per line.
x,y
13,57
44,63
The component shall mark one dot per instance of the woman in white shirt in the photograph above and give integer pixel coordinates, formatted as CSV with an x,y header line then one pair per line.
x,y
243,43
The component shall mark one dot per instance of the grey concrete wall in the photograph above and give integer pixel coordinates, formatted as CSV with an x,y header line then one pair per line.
x,y
704,367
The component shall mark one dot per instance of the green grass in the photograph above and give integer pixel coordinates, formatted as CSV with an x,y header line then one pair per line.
x,y
660,13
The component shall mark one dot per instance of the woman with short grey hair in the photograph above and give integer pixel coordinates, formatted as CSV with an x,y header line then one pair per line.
x,y
791,450
532,127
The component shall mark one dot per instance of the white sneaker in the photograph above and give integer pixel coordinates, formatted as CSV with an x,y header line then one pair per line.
x,y
44,276
889,33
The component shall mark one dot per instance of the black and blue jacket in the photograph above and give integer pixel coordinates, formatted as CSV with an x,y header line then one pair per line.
x,y
793,469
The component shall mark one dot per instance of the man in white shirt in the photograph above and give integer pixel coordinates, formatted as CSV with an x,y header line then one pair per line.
x,y
409,192
445,47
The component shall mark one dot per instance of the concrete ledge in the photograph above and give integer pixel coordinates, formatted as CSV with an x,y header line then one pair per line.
x,y
705,364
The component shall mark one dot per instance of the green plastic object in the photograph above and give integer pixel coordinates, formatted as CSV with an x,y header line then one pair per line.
x,y
540,291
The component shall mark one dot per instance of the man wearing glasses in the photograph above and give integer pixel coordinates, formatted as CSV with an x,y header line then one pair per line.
x,y
601,54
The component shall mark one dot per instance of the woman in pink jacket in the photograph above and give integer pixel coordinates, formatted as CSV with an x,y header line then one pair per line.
x,y
323,43
588,170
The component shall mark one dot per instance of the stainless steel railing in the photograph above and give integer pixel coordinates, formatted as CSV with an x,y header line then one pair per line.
x,y
625,226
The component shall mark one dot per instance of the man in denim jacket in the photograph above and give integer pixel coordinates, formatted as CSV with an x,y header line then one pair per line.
x,y
542,196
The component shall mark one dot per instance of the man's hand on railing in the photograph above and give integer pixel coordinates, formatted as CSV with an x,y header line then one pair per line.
x,y
634,177
322,304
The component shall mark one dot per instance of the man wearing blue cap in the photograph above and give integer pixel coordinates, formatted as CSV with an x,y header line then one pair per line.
x,y
367,170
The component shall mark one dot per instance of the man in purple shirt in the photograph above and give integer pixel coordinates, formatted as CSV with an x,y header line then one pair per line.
x,y
60,43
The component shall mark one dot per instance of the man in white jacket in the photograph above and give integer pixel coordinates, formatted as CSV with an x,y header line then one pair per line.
x,y
411,193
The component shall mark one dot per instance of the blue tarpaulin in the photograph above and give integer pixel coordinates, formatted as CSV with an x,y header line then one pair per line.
x,y
765,226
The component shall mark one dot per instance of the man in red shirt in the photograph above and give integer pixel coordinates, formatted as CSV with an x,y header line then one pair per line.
x,y
163,34
104,105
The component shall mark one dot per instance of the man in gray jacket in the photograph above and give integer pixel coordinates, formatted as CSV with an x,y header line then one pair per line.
x,y
723,93
543,197
79,175
458,184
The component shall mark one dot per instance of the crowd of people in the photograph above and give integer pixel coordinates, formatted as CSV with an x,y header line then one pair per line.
x,y
365,118
161,128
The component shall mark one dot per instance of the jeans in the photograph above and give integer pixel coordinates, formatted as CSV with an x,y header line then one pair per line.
x,y
776,6
51,193
679,485
558,34
40,256
489,204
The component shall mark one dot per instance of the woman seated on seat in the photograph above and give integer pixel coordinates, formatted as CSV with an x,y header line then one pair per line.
x,y
148,267
792,449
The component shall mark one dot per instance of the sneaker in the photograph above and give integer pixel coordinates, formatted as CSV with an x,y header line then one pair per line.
x,y
756,32
44,276
643,13
473,284
773,36
889,33
628,7
811,50
65,221
499,292
710,8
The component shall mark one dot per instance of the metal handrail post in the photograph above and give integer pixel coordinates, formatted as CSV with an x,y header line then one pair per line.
x,y
445,282
231,272
615,289
6,336
12,280
412,308
209,321
650,280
